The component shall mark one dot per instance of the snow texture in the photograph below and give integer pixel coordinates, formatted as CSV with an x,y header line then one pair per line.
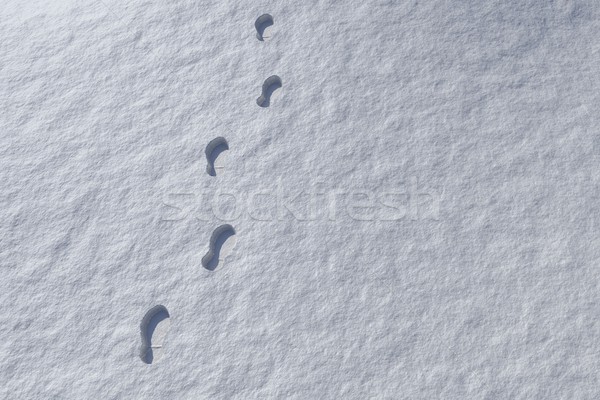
x,y
488,109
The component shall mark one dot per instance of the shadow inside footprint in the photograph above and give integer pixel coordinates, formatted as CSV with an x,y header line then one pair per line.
x,y
154,328
271,84
222,242
213,152
261,24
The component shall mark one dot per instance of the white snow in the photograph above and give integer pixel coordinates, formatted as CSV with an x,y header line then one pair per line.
x,y
416,212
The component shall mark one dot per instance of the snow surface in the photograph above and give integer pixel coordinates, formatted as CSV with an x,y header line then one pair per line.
x,y
487,108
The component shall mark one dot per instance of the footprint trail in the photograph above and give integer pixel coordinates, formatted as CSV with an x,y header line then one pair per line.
x,y
215,156
271,84
262,25
154,329
221,244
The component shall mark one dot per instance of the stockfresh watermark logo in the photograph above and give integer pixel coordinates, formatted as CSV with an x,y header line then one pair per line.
x,y
407,201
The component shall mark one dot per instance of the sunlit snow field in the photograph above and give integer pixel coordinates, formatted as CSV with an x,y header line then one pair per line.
x,y
387,199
